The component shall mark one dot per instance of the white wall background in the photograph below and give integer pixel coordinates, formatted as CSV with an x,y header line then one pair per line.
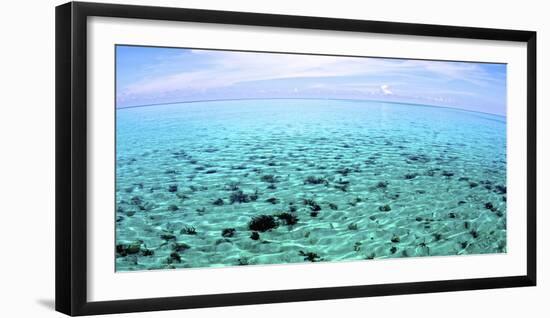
x,y
27,157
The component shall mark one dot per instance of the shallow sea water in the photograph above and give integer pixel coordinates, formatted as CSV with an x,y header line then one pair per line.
x,y
337,180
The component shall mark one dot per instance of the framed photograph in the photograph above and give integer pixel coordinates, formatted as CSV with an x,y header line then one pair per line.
x,y
211,158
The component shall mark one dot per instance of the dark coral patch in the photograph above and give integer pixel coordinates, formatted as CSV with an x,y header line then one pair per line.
x,y
310,256
447,174
315,180
228,232
255,236
272,200
218,202
125,249
262,223
287,218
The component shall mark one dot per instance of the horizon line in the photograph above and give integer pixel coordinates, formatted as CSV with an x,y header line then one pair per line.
x,y
309,98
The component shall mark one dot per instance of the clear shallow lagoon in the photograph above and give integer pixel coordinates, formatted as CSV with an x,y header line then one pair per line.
x,y
335,180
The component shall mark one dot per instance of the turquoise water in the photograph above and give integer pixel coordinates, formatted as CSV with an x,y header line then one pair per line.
x,y
334,180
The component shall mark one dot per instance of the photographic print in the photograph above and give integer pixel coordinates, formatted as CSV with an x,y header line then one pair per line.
x,y
228,158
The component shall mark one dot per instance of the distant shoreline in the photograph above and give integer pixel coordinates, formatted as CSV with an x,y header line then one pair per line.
x,y
306,98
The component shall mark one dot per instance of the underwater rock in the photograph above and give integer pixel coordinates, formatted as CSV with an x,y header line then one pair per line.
x,y
218,202
474,233
125,249
194,188
410,176
180,154
500,189
310,256
332,206
382,184
419,219
473,184
341,181
130,213
353,226
239,167
272,200
239,197
262,223
487,184
254,196
447,174
189,230
173,208
180,247
452,215
314,213
173,188
437,236
344,171
272,186
384,208
490,206
231,186
136,200
211,171
174,257
147,206
255,236
461,202
393,249
287,218
147,252
418,158
315,180
392,196
395,239
269,178
228,232
355,201
167,236
201,210
314,207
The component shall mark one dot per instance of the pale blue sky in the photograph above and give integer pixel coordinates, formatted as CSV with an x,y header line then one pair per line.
x,y
152,75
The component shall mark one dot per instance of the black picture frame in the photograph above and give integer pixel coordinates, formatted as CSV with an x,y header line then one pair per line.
x,y
71,157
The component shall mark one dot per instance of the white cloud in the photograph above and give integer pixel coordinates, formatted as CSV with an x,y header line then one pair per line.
x,y
386,89
223,69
